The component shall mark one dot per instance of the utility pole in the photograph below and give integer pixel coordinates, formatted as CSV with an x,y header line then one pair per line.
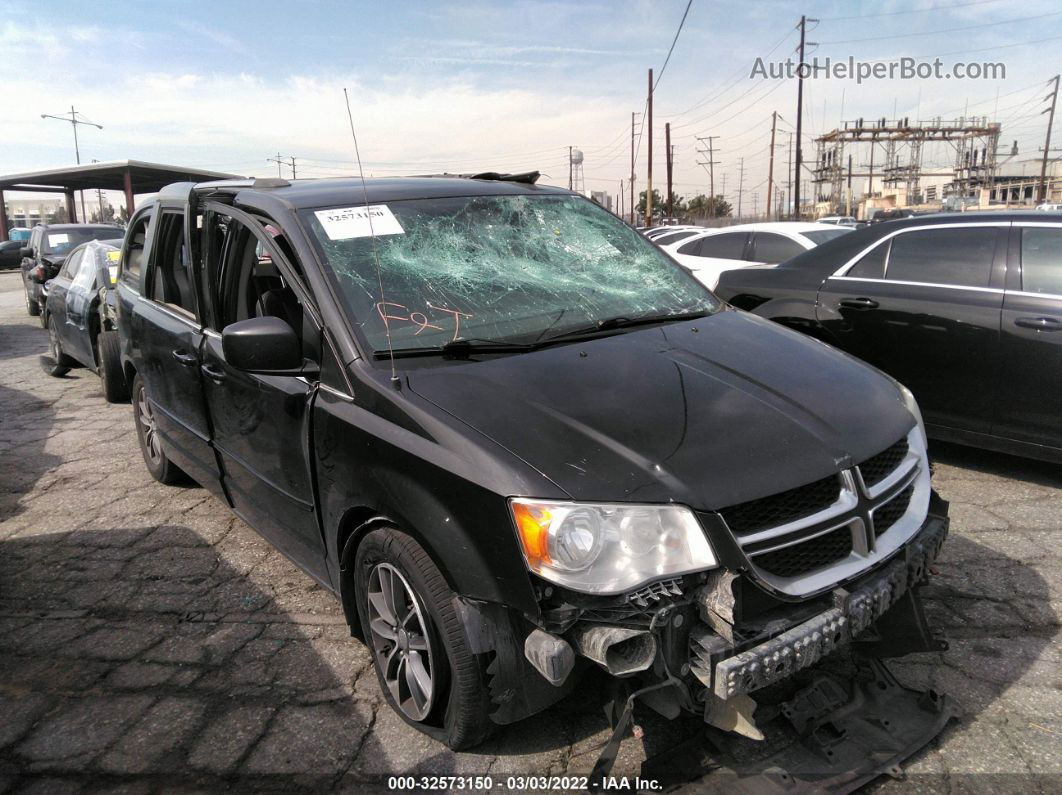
x,y
74,121
280,160
789,181
723,193
630,184
569,168
770,167
800,113
620,207
848,204
1047,143
709,166
649,161
670,156
741,183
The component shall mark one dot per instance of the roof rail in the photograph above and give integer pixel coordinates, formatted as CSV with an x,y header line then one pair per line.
x,y
526,177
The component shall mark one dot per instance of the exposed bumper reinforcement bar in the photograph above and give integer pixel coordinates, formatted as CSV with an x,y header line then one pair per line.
x,y
852,613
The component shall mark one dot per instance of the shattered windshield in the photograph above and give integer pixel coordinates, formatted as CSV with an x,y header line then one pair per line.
x,y
497,268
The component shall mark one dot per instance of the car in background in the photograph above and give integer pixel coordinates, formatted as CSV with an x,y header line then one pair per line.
x,y
10,254
838,220
673,235
966,311
48,246
1049,208
80,317
713,251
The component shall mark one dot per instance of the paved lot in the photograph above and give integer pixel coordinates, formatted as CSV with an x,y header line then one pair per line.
x,y
150,641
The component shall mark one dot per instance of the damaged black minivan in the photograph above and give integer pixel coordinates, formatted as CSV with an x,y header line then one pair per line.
x,y
515,439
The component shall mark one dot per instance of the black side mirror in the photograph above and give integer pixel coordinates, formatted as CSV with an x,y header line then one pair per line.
x,y
265,345
26,251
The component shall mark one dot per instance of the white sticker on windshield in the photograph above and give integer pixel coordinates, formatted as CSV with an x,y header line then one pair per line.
x,y
58,239
345,223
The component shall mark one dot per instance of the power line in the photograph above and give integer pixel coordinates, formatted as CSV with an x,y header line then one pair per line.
x,y
911,11
672,48
945,30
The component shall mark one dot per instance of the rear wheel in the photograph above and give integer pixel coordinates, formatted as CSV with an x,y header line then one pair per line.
x,y
158,465
420,650
112,379
56,363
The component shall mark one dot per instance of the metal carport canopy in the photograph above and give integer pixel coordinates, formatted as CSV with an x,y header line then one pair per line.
x,y
129,176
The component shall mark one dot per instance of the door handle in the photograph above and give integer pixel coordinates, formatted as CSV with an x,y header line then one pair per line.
x,y
1039,323
185,358
859,303
213,373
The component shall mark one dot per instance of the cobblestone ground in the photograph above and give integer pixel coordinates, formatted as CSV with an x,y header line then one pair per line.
x,y
151,641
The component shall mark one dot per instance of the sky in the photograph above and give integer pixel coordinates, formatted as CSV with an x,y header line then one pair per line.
x,y
504,86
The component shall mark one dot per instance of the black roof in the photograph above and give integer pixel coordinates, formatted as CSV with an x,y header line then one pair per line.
x,y
335,191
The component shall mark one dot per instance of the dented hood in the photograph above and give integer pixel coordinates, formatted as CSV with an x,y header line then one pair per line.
x,y
708,413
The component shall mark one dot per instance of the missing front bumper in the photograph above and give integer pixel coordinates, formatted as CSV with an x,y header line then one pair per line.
x,y
807,643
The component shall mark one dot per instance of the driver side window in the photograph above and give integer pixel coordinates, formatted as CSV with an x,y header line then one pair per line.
x,y
251,284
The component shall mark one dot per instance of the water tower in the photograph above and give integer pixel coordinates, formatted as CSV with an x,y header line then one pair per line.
x,y
575,170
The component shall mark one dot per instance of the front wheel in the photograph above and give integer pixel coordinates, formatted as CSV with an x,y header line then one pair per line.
x,y
56,363
158,464
419,647
112,379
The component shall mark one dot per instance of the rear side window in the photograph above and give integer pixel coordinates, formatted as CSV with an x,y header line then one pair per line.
x,y
872,264
772,249
1041,260
169,279
960,256
672,237
69,269
730,245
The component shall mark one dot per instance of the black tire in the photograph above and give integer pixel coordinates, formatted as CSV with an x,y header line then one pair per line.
x,y
32,307
56,363
112,378
158,464
460,710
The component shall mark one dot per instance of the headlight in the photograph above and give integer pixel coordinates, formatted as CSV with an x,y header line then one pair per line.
x,y
911,405
608,549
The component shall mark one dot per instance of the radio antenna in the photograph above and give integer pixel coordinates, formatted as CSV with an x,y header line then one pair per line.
x,y
372,234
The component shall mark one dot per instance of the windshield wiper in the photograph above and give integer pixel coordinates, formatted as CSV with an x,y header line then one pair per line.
x,y
459,349
620,322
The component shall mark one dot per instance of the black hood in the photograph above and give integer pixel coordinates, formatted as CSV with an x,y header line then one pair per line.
x,y
707,413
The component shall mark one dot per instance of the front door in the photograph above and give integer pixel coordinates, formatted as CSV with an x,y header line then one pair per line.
x,y
168,333
261,423
924,306
1029,405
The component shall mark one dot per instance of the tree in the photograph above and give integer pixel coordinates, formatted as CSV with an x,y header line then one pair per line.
x,y
57,216
123,214
702,206
104,215
657,205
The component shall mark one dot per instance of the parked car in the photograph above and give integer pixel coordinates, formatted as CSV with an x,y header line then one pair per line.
x,y
48,246
80,316
961,309
1049,208
515,439
667,230
713,251
10,254
839,220
673,236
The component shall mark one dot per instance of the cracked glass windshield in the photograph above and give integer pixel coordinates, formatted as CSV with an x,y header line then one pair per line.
x,y
516,269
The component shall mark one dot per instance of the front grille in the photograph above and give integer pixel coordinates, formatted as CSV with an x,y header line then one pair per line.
x,y
878,467
786,506
888,514
807,556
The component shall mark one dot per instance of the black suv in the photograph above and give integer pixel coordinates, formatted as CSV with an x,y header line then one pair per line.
x,y
965,310
46,250
513,437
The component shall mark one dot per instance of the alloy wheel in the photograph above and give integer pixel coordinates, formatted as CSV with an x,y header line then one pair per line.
x,y
147,421
400,641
